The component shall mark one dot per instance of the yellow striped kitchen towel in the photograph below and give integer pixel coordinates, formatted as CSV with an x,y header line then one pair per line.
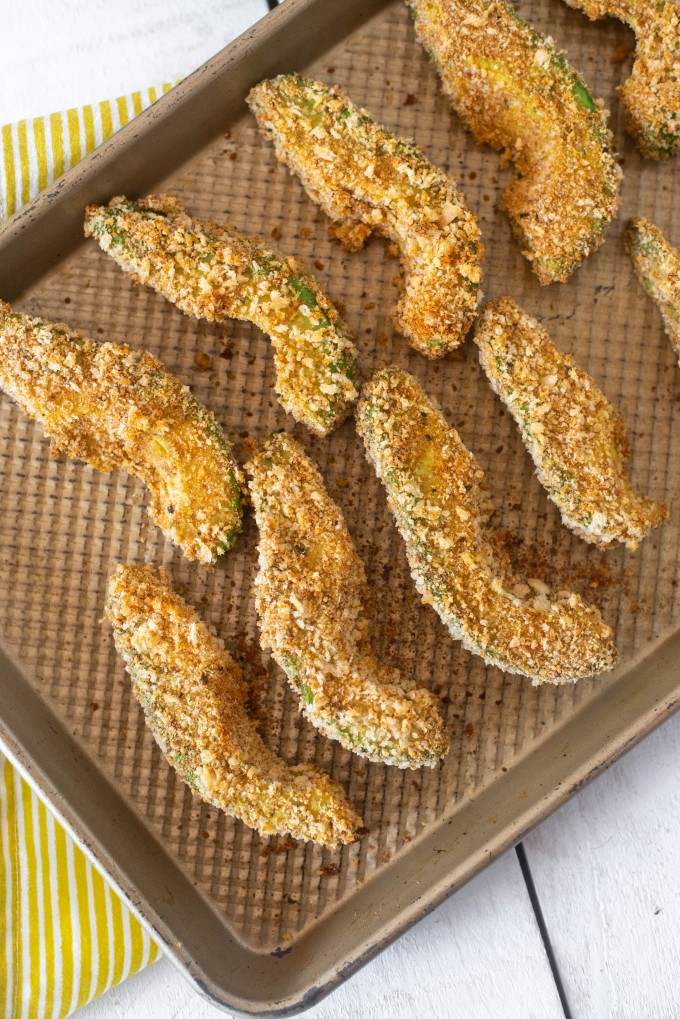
x,y
65,936
37,152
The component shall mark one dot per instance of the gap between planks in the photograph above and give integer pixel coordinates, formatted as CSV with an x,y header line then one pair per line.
x,y
543,930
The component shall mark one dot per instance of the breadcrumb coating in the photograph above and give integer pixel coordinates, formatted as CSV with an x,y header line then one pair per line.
x,y
436,492
118,409
650,98
657,266
515,91
195,702
367,179
576,438
211,272
312,601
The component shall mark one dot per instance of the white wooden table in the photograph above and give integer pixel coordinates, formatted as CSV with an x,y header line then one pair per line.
x,y
595,934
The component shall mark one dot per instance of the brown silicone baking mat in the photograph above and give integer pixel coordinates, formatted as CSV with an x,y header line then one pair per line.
x,y
64,526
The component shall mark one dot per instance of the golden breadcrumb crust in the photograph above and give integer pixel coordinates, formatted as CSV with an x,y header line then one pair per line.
x,y
367,179
576,438
195,703
657,266
650,98
313,605
209,271
118,409
515,91
435,490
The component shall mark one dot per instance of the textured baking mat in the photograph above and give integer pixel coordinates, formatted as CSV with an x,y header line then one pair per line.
x,y
63,526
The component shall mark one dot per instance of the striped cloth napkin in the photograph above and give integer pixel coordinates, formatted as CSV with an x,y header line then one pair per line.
x,y
36,152
65,936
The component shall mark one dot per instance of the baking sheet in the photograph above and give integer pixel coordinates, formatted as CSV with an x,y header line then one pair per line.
x,y
63,526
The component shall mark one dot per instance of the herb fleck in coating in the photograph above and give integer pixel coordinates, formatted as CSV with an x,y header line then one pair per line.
x,y
650,98
575,437
657,266
313,604
209,271
195,703
435,490
118,409
516,92
367,179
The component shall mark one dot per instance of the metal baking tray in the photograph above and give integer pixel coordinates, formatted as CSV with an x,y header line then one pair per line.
x,y
266,926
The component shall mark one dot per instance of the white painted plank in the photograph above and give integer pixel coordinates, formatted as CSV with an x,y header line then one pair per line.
x,y
478,956
78,51
607,872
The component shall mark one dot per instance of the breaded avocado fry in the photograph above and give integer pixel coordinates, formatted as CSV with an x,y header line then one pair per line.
x,y
516,92
650,98
195,703
576,438
436,493
657,266
211,272
312,600
367,179
118,409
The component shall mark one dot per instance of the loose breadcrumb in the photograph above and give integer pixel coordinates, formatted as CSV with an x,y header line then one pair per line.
x,y
435,490
195,703
575,437
657,266
313,605
650,98
211,272
515,91
118,409
367,179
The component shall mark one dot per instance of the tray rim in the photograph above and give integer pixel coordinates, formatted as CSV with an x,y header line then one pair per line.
x,y
637,699
496,818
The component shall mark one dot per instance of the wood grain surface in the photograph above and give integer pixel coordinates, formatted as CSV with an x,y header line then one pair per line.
x,y
606,868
